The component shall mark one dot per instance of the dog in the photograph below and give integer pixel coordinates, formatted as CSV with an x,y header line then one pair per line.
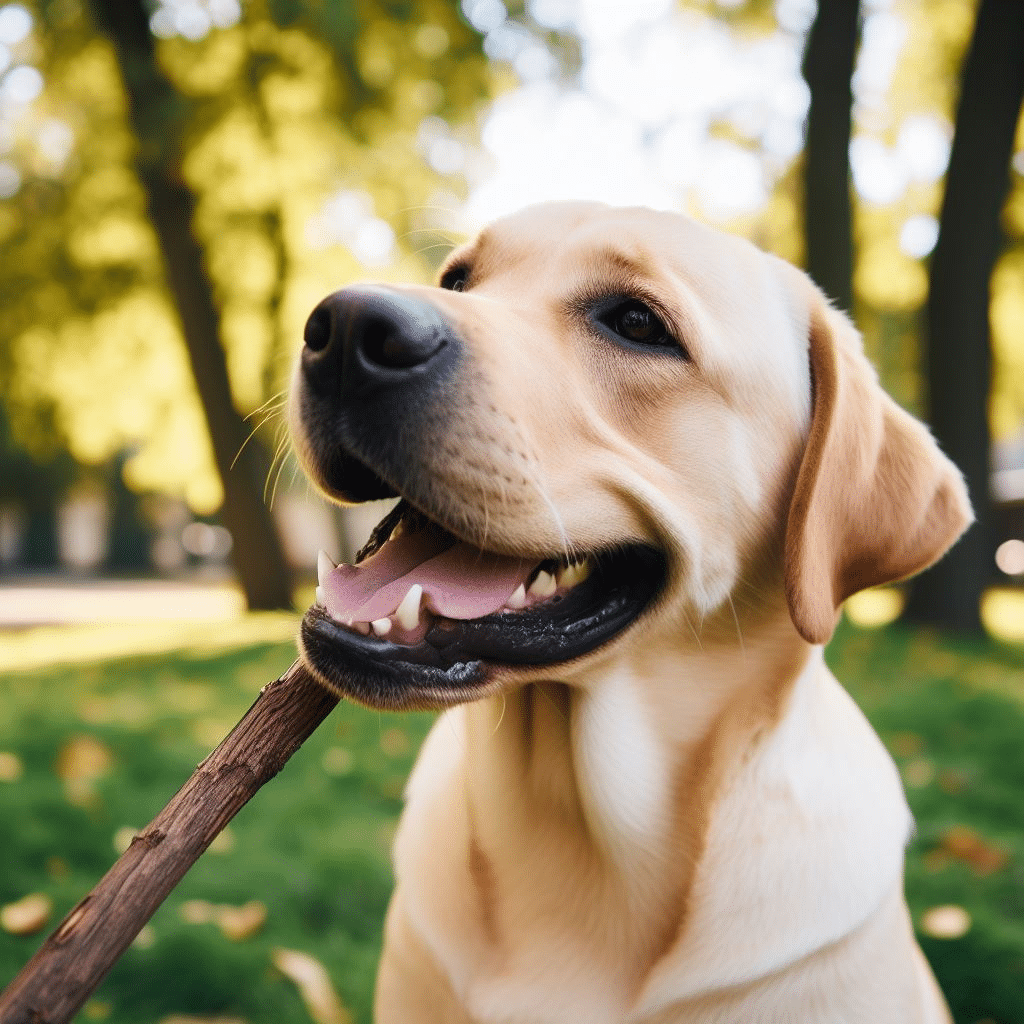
x,y
640,464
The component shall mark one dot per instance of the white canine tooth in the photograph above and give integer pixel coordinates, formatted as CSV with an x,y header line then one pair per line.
x,y
408,612
381,626
324,566
518,598
544,585
320,597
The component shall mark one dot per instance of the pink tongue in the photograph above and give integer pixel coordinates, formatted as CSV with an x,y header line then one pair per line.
x,y
459,582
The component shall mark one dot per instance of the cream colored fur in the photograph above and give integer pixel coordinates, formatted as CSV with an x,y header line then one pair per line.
x,y
694,823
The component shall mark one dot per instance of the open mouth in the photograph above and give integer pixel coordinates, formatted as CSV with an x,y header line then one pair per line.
x,y
424,619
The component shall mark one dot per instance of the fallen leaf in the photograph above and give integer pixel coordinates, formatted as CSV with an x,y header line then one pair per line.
x,y
314,985
11,768
337,761
26,916
918,772
967,845
954,781
236,923
946,922
904,744
197,911
240,923
394,742
81,763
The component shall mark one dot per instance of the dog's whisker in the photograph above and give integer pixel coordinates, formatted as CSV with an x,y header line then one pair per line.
x,y
252,433
282,442
277,479
278,400
501,717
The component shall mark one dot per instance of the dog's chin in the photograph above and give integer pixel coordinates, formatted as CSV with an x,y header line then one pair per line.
x,y
569,611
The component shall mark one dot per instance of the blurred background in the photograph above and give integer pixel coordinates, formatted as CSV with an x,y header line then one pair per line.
x,y
181,181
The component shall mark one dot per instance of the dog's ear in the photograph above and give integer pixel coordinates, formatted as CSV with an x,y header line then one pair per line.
x,y
875,498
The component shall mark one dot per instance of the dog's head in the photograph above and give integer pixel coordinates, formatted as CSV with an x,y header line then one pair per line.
x,y
601,418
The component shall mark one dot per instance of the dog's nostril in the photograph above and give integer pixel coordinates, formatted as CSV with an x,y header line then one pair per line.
x,y
387,344
317,333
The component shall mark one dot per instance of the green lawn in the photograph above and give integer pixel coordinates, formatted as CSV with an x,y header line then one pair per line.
x,y
98,749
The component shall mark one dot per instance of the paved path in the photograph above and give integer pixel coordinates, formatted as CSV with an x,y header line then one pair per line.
x,y
52,600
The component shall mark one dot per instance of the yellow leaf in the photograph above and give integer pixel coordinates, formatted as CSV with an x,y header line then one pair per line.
x,y
11,767
27,915
240,923
946,922
81,763
314,985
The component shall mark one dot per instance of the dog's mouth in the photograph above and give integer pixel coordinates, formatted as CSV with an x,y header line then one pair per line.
x,y
425,619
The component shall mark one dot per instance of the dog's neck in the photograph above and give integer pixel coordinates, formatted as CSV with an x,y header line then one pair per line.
x,y
622,762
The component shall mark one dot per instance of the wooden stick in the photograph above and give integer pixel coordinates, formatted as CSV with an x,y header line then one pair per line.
x,y
70,964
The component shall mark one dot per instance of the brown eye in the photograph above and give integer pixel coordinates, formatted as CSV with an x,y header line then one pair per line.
x,y
633,321
455,279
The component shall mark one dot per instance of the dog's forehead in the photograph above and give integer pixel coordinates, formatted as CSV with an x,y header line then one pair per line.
x,y
562,241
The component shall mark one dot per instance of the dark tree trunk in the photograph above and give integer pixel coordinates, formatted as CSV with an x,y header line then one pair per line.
x,y
958,346
828,69
257,554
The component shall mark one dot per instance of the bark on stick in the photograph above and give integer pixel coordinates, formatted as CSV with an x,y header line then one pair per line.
x,y
72,962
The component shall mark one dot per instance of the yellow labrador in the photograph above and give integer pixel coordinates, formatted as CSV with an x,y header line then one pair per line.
x,y
641,466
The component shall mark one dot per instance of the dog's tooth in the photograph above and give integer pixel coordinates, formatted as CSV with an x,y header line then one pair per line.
x,y
568,576
544,585
408,612
324,566
518,598
320,597
381,626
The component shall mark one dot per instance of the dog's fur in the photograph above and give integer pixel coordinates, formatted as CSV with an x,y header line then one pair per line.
x,y
694,822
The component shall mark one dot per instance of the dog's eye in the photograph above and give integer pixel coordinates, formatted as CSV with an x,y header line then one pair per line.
x,y
455,279
636,322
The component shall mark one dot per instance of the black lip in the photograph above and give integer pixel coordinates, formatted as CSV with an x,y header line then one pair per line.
x,y
456,660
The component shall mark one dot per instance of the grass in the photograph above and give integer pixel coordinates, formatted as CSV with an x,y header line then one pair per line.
x,y
94,750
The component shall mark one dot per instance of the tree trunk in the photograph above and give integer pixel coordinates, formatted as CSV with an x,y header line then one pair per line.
x,y
828,69
257,553
958,349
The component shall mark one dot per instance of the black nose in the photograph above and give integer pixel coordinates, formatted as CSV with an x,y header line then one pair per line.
x,y
368,337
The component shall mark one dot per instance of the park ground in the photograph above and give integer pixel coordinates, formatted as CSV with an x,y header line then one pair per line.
x,y
279,922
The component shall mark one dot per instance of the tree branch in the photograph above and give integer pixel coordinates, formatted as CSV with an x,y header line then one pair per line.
x,y
72,962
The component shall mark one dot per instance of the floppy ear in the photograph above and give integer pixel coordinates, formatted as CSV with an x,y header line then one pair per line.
x,y
875,498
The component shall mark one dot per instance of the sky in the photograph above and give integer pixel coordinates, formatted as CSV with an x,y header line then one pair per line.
x,y
636,127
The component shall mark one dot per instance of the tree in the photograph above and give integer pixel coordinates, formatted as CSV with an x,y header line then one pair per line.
x,y
958,345
828,69
257,552
208,191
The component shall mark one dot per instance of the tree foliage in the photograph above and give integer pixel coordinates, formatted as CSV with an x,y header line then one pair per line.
x,y
308,134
